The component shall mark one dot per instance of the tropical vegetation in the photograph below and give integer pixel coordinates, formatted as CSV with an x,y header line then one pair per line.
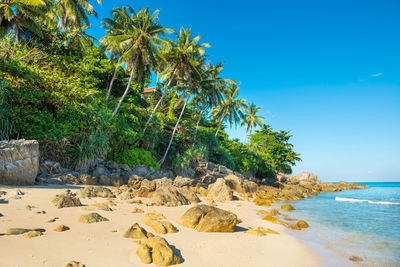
x,y
83,99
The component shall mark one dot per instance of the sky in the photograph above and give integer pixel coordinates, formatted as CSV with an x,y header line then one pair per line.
x,y
327,71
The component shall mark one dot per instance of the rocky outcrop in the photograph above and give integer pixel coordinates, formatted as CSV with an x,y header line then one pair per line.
x,y
220,191
65,200
168,195
157,250
205,218
240,185
137,232
19,162
183,181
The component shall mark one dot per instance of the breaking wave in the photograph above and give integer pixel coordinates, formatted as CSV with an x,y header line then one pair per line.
x,y
366,200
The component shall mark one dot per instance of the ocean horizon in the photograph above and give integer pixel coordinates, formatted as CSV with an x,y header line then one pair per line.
x,y
363,223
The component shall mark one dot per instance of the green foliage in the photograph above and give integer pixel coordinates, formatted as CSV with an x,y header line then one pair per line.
x,y
185,161
135,156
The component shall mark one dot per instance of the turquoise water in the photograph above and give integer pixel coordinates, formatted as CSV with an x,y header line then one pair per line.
x,y
363,222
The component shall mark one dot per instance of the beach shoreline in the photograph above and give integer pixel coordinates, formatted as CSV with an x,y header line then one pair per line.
x,y
99,245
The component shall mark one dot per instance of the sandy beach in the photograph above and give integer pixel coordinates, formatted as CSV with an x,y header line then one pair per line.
x,y
102,244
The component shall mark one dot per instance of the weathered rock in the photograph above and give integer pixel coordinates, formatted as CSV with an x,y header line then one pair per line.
x,y
146,189
160,227
125,192
137,210
99,171
61,228
87,179
240,185
136,232
267,231
141,170
302,224
16,231
155,215
168,195
135,181
49,167
66,199
262,201
19,162
162,182
95,191
65,179
114,179
157,250
205,218
91,218
189,195
287,207
183,181
219,191
32,234
74,264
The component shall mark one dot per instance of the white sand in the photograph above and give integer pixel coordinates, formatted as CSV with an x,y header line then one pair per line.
x,y
95,245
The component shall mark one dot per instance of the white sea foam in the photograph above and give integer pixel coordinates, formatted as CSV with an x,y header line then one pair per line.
x,y
345,199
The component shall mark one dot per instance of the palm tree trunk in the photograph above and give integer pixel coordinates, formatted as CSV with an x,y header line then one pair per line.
x,y
111,83
173,133
219,127
159,101
197,127
125,93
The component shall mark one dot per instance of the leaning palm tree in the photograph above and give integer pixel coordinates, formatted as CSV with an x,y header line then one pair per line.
x,y
136,37
71,14
230,108
186,56
250,118
22,15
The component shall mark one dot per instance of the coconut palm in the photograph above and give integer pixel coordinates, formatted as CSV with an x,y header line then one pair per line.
x,y
250,118
230,108
71,14
22,15
136,38
186,56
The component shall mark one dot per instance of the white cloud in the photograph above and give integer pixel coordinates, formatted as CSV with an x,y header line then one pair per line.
x,y
376,74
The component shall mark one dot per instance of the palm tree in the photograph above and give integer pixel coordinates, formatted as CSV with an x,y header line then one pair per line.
x,y
71,14
136,37
21,15
250,119
230,108
185,55
210,91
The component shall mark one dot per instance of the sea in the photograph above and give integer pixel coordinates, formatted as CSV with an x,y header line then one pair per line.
x,y
363,223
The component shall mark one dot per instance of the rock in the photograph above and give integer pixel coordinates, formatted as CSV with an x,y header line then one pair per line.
x,y
87,179
182,181
49,167
146,189
157,250
255,232
99,171
16,231
74,264
141,170
41,212
19,162
262,212
135,181
240,185
262,202
136,210
66,199
161,227
52,220
137,232
99,206
29,207
168,195
95,191
205,218
92,218
125,192
304,177
274,212
219,191
135,201
302,224
189,195
273,220
61,228
32,234
112,165
355,259
114,179
162,182
287,207
65,179
155,216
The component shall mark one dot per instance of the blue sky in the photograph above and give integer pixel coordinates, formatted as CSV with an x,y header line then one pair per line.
x,y
328,71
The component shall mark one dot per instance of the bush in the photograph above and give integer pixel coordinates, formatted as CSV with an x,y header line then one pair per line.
x,y
135,156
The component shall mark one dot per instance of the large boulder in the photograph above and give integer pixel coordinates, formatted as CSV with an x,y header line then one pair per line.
x,y
65,200
303,179
168,195
220,191
157,250
205,218
146,189
182,181
19,162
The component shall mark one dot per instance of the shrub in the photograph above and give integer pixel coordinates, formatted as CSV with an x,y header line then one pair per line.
x,y
135,156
